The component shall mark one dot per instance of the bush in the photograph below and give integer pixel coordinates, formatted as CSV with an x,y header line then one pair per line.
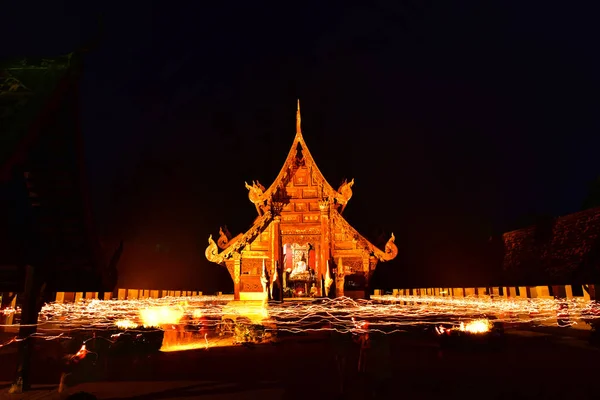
x,y
250,333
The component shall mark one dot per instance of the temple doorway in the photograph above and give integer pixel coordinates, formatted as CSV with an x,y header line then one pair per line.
x,y
299,275
355,286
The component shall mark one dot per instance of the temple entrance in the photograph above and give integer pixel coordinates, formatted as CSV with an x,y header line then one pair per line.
x,y
355,282
300,278
355,286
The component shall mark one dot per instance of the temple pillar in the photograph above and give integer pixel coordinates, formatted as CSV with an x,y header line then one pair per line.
x,y
325,242
366,264
340,279
276,254
319,271
237,274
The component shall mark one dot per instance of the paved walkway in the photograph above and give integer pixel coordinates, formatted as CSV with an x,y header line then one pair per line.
x,y
156,390
201,376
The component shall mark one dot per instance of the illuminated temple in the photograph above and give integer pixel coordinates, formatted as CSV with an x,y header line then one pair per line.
x,y
300,245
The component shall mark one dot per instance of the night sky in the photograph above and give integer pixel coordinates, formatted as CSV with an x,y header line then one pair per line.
x,y
456,121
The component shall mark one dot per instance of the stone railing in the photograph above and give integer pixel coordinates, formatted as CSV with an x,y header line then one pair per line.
x,y
587,292
583,294
127,294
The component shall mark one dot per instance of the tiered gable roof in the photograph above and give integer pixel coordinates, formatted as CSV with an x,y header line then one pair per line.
x,y
390,252
299,152
238,243
264,199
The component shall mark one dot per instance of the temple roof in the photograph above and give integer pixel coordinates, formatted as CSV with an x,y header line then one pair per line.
x,y
238,243
388,254
259,195
291,157
261,223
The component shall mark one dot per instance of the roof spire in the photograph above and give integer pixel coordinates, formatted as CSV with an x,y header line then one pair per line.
x,y
298,130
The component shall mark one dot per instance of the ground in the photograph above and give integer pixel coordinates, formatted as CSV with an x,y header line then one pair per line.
x,y
533,364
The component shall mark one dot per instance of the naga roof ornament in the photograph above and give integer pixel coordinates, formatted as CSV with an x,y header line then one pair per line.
x,y
297,156
236,244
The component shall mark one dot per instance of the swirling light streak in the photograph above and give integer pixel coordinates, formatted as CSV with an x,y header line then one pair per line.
x,y
405,310
386,314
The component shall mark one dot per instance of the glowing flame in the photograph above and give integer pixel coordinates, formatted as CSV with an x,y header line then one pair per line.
x,y
126,324
476,326
182,347
81,353
155,317
256,312
8,311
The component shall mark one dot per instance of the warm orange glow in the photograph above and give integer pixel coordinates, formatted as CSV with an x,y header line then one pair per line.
x,y
176,338
255,311
81,353
8,311
476,326
199,344
156,317
167,318
126,324
388,314
183,347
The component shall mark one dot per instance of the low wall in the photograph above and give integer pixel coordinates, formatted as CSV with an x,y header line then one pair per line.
x,y
586,292
125,294
575,292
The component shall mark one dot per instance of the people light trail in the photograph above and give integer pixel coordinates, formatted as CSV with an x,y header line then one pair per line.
x,y
384,313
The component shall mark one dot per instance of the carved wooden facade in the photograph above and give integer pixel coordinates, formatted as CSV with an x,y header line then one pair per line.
x,y
299,224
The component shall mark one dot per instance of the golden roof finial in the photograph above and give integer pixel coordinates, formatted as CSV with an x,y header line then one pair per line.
x,y
298,130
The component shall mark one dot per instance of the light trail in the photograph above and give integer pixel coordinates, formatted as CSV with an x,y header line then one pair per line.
x,y
392,310
384,313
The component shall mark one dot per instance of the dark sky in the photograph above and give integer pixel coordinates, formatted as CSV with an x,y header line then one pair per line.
x,y
454,119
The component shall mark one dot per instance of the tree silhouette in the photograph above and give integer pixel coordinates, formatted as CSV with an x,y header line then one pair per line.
x,y
593,197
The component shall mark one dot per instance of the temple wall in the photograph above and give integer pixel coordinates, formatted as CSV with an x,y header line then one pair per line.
x,y
230,264
353,264
303,195
342,240
127,294
251,264
301,217
7,320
